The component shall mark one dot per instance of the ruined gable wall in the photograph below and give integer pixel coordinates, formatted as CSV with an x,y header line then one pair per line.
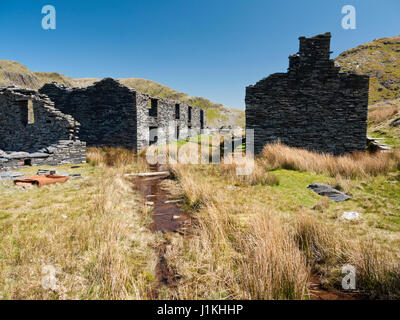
x,y
106,111
49,126
313,106
33,132
112,114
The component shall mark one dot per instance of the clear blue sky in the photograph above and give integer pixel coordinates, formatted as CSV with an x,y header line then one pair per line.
x,y
209,48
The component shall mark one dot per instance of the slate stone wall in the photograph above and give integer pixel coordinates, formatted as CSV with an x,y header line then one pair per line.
x,y
312,106
106,111
112,114
33,132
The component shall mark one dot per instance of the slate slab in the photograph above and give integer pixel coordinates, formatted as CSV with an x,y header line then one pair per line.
x,y
330,192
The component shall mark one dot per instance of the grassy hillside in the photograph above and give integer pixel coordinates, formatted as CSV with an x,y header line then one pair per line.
x,y
380,59
384,122
14,73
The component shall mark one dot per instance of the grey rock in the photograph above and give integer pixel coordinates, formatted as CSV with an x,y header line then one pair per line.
x,y
395,123
330,192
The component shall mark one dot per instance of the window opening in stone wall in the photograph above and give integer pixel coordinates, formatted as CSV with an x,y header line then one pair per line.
x,y
177,112
31,114
201,119
153,106
190,114
177,133
23,111
153,135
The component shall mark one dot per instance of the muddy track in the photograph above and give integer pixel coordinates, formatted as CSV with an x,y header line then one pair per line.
x,y
167,217
317,292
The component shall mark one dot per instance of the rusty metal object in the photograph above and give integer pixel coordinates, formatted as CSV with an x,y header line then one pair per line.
x,y
41,180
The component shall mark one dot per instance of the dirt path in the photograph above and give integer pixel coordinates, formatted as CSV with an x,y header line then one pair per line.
x,y
319,293
167,217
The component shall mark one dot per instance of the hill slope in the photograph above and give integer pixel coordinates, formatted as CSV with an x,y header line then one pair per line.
x,y
380,59
384,122
14,73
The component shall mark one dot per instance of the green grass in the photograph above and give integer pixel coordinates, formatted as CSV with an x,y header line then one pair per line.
x,y
391,136
377,199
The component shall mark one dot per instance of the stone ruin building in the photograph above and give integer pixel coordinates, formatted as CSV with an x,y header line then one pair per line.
x,y
34,132
112,114
312,106
46,127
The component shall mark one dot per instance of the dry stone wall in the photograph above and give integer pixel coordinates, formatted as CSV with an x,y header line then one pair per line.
x,y
112,114
106,111
33,131
312,106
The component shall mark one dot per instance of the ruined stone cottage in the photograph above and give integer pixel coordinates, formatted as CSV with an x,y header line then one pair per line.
x,y
112,114
34,132
312,106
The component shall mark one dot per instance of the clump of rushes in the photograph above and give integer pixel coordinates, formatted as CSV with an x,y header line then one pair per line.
x,y
252,173
359,164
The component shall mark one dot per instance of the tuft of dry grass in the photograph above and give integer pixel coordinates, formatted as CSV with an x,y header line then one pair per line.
x,y
327,250
249,251
359,164
91,230
118,158
256,260
271,265
254,174
380,113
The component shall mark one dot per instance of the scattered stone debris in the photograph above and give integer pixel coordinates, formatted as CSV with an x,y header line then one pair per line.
x,y
350,215
149,203
173,201
147,174
231,187
75,175
395,123
45,172
10,175
330,192
374,145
